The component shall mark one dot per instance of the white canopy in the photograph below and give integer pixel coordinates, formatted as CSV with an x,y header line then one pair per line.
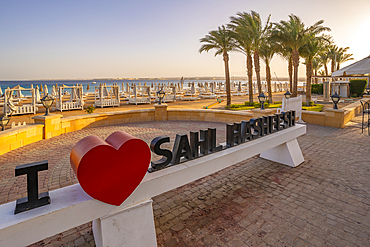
x,y
192,89
53,92
73,95
37,95
46,90
358,68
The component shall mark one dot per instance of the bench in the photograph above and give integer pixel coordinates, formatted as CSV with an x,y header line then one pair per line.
x,y
132,223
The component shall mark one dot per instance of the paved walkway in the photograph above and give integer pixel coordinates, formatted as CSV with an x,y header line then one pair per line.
x,y
323,202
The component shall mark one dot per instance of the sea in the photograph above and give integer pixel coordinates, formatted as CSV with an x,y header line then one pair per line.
x,y
27,83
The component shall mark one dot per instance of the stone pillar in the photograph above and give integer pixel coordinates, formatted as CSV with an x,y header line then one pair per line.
x,y
326,91
260,113
160,113
51,124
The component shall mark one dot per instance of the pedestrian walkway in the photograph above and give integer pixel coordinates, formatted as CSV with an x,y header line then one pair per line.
x,y
323,202
357,122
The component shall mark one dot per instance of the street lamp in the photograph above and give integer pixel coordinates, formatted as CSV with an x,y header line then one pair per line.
x,y
160,95
47,101
335,98
368,90
4,120
287,94
262,99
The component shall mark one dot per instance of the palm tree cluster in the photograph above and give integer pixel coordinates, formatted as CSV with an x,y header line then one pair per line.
x,y
246,33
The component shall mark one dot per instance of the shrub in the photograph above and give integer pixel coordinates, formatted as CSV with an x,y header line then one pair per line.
x,y
258,105
90,109
357,86
317,88
311,103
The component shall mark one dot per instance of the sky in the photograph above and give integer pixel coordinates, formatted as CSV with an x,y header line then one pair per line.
x,y
136,39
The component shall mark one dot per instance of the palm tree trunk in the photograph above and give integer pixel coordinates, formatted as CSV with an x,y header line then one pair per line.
x,y
316,79
326,69
308,82
338,66
227,76
250,78
332,66
268,79
257,68
295,58
290,71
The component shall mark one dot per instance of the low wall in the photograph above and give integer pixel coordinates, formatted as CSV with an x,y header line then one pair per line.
x,y
334,118
207,115
20,136
74,123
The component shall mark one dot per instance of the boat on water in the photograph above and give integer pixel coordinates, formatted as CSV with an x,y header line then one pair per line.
x,y
94,82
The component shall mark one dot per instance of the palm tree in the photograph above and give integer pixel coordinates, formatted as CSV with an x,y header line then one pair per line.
x,y
309,51
321,72
286,53
324,58
294,34
343,57
337,54
267,52
316,65
242,36
332,54
253,25
222,41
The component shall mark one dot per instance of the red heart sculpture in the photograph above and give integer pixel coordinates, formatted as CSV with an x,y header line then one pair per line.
x,y
110,170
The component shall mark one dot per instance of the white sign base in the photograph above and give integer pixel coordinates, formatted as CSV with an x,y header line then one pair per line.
x,y
132,226
288,153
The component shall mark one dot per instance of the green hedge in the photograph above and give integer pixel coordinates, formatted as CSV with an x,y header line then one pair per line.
x,y
317,88
357,86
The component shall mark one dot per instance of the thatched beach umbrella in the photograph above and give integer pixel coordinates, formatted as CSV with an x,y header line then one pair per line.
x,y
41,88
88,87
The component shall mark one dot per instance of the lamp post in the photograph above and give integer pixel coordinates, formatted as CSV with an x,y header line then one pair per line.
x,y
368,90
4,120
335,98
287,95
47,101
262,99
160,95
